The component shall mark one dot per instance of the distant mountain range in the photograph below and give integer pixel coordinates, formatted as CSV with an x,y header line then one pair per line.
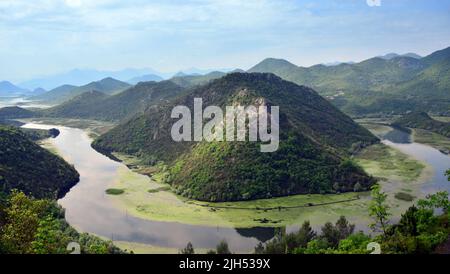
x,y
8,89
78,77
392,84
123,105
145,78
393,55
66,92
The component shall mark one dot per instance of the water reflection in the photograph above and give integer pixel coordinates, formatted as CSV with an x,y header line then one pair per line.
x,y
398,136
262,234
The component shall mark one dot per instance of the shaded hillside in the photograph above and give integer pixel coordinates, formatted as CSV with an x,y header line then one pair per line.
x,y
423,121
27,167
99,106
315,138
67,92
54,94
15,113
398,84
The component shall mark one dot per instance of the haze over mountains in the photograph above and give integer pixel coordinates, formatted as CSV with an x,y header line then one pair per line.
x,y
392,83
67,92
97,105
78,77
8,89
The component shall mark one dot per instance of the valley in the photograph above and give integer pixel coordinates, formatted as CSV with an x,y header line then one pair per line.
x,y
149,220
221,128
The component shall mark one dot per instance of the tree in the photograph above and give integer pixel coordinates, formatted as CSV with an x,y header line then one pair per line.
x,y
305,234
49,239
409,222
333,234
379,210
222,248
189,249
344,228
354,244
22,221
438,200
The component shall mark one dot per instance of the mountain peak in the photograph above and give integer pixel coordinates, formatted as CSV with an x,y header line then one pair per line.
x,y
271,64
8,88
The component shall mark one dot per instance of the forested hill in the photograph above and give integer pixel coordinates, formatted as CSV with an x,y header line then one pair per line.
x,y
15,113
27,167
66,92
315,139
423,121
395,85
99,106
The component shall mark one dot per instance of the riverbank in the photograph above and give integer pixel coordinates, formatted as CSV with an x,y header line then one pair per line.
x,y
145,198
94,128
432,139
148,216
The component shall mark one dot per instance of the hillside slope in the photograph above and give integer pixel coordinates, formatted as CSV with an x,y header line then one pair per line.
x,y
395,85
423,121
27,167
315,138
99,106
58,95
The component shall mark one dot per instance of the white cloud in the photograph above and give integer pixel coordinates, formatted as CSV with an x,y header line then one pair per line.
x,y
373,3
74,3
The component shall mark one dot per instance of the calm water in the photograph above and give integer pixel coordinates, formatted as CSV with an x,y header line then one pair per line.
x,y
89,209
437,160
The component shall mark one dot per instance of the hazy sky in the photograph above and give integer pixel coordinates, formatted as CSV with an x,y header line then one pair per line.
x,y
39,37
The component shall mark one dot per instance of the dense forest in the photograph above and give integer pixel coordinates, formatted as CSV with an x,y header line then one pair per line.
x,y
34,170
316,138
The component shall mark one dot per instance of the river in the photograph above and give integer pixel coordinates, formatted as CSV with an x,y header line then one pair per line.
x,y
89,209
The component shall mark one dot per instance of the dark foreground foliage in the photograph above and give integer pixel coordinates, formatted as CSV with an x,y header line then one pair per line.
x,y
34,170
31,226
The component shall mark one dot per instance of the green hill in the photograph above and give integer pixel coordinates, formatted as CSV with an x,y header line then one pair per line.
x,y
423,121
315,140
54,94
15,113
99,106
397,85
67,92
27,167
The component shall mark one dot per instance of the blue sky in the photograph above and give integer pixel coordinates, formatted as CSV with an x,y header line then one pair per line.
x,y
42,37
